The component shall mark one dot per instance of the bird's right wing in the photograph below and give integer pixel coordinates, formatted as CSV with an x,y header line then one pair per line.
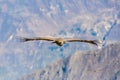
x,y
23,39
94,42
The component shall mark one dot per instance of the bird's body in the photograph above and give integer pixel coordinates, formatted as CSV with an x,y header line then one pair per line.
x,y
62,41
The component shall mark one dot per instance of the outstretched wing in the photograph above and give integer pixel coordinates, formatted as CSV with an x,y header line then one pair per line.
x,y
37,38
95,42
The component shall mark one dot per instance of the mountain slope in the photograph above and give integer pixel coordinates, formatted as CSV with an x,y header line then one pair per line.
x,y
101,64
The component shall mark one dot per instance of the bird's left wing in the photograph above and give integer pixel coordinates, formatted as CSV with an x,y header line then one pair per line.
x,y
23,39
95,42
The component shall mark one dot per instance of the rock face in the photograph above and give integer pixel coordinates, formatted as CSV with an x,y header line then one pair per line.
x,y
101,64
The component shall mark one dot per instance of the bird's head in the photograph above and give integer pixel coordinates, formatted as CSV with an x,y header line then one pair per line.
x,y
59,42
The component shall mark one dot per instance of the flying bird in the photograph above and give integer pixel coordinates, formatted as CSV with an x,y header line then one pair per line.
x,y
61,41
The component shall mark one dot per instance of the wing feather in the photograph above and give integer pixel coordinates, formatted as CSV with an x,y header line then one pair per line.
x,y
95,42
37,38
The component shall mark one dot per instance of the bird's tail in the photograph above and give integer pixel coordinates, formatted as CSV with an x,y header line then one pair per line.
x,y
53,42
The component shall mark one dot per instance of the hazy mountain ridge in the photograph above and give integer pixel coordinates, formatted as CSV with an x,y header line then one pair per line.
x,y
101,64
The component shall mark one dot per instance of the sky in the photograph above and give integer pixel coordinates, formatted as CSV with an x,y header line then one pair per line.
x,y
84,19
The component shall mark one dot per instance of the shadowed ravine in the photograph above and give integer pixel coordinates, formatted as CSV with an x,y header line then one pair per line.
x,y
103,64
